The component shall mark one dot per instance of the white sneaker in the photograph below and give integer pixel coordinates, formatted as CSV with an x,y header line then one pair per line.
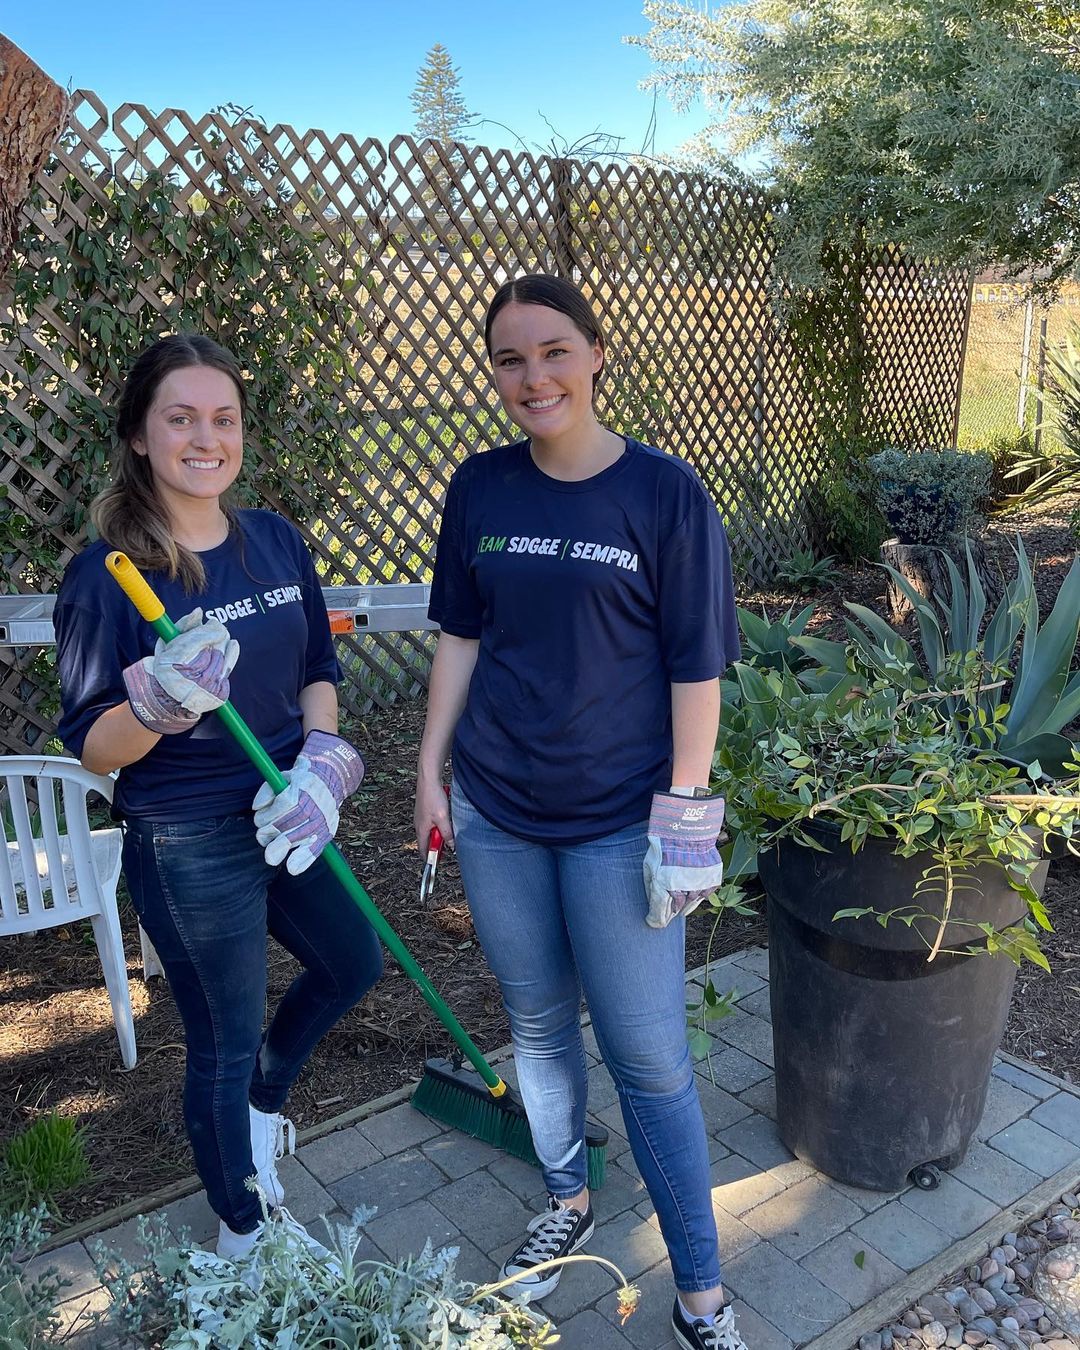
x,y
272,1136
239,1246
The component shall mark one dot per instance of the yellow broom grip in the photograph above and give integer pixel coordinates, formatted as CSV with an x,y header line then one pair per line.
x,y
134,586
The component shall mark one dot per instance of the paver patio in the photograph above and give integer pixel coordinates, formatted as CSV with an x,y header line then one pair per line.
x,y
789,1235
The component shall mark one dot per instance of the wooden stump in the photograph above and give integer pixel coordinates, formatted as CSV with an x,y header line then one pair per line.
x,y
33,110
925,568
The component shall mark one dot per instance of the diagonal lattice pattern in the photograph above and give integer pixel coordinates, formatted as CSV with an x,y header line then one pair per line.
x,y
419,236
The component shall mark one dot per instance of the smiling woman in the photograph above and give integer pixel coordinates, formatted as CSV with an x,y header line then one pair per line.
x,y
208,879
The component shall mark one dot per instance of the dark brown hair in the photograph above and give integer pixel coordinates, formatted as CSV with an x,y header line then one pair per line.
x,y
553,293
129,513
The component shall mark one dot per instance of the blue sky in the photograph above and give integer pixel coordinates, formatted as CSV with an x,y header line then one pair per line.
x,y
350,65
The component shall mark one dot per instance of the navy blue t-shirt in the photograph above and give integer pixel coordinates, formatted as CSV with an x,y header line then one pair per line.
x,y
589,599
263,586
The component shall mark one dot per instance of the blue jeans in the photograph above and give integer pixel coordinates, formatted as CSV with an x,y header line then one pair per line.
x,y
207,899
554,920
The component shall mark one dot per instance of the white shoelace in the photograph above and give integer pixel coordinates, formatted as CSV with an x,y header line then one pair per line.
x,y
284,1137
722,1334
547,1238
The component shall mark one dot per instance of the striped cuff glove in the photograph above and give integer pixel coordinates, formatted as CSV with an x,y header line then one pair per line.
x,y
296,824
682,863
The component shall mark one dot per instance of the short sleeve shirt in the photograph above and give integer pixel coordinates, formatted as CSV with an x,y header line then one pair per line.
x,y
589,599
263,586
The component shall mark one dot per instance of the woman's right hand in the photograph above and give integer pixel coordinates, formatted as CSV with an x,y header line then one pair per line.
x,y
432,809
185,678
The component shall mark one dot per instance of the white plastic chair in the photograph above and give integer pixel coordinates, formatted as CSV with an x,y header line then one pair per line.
x,y
72,874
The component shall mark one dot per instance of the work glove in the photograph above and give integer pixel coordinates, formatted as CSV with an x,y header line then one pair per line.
x,y
682,863
298,822
186,676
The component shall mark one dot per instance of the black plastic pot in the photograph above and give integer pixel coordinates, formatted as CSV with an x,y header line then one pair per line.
x,y
883,1059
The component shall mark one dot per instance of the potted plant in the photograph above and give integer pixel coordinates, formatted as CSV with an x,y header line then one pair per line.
x,y
903,859
931,496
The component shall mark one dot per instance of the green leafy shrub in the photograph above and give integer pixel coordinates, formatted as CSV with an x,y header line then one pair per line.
x,y
931,496
894,763
1010,452
43,1161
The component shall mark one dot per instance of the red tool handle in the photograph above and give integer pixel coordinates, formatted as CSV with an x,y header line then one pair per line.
x,y
435,840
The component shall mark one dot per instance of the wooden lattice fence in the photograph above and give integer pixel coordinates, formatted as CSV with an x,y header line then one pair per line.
x,y
395,250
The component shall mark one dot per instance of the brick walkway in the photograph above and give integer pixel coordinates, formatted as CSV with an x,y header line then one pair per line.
x,y
788,1235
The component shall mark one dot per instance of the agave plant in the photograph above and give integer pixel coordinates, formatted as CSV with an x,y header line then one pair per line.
x,y
1029,665
767,644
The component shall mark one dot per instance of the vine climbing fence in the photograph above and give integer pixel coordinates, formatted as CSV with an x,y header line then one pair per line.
x,y
351,277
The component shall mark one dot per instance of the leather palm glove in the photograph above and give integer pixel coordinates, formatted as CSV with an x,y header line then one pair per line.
x,y
682,864
186,676
296,824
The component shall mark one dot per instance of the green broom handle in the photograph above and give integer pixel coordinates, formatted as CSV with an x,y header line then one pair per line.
x,y
139,592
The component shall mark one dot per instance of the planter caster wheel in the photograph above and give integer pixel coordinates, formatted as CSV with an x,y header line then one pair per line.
x,y
926,1177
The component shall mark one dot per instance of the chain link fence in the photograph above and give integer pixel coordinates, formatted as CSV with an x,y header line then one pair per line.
x,y
1004,388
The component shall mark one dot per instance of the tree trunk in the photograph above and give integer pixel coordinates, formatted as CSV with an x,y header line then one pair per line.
x,y
925,568
33,110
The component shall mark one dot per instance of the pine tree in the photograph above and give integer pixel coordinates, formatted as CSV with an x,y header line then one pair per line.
x,y
441,114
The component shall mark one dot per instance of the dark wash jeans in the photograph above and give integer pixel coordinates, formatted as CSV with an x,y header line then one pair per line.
x,y
207,899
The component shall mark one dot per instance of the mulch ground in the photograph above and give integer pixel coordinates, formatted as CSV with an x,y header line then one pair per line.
x,y
58,1050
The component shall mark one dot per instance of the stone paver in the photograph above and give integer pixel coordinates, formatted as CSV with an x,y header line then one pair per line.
x,y
1060,1113
738,1185
852,1268
400,1128
1004,1104
338,1155
799,1251
756,1139
388,1184
394,1232
733,1070
803,1216
749,1033
953,1207
1025,1081
901,1235
791,1298
994,1174
1034,1146
72,1263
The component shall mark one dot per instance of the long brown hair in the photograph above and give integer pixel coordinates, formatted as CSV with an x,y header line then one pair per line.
x,y
129,513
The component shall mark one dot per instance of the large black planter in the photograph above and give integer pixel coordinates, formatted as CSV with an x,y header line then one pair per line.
x,y
882,1059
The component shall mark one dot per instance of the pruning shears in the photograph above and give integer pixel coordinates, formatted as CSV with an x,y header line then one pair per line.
x,y
434,853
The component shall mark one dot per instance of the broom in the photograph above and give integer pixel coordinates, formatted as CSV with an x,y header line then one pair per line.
x,y
477,1103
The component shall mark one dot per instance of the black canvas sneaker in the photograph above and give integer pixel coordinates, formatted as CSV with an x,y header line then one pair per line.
x,y
559,1231
695,1334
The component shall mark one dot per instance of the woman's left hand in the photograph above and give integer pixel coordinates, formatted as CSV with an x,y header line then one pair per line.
x,y
296,824
682,865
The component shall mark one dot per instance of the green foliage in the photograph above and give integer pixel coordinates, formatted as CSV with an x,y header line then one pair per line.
x,y
1010,452
713,1006
1032,693
1059,473
769,644
188,1299
803,573
247,275
930,496
947,128
27,1304
42,1161
886,762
